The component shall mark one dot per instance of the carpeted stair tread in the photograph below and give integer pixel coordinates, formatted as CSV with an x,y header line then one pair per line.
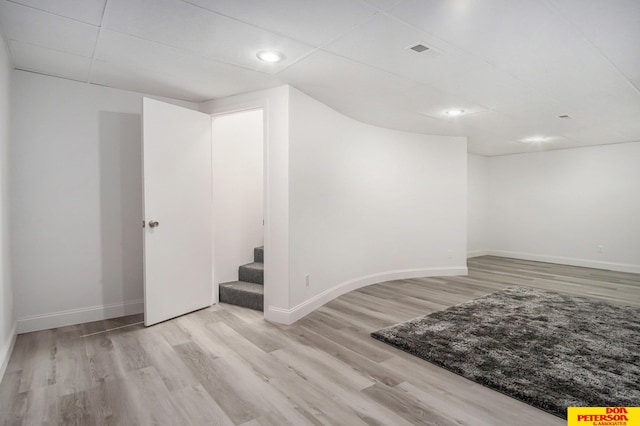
x,y
258,254
242,293
252,273
244,286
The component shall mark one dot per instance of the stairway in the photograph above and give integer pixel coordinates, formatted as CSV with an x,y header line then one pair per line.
x,y
248,291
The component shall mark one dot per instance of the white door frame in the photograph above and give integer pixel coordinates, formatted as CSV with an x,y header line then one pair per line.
x,y
275,106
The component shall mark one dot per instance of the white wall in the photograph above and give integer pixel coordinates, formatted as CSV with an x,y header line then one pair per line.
x,y
7,317
559,206
477,205
237,192
275,103
369,204
76,201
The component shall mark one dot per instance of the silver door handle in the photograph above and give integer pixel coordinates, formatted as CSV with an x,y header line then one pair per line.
x,y
154,224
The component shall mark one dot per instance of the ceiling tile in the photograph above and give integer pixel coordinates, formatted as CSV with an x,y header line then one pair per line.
x,y
625,122
489,145
185,26
29,57
197,75
491,87
383,43
489,29
577,72
541,112
428,101
613,112
492,122
310,21
124,76
510,147
89,11
613,27
322,69
593,135
28,25
383,4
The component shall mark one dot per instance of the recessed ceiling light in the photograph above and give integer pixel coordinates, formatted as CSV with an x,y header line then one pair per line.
x,y
454,112
536,139
271,56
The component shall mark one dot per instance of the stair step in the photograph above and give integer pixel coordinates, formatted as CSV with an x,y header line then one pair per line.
x,y
258,254
245,294
252,273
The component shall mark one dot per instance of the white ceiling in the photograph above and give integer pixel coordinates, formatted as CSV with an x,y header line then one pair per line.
x,y
514,66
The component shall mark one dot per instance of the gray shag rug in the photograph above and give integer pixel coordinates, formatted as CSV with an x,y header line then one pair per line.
x,y
549,350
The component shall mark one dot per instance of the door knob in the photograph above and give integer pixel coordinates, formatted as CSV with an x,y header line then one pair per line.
x,y
154,224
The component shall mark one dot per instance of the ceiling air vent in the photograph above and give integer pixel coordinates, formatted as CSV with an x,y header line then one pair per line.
x,y
419,47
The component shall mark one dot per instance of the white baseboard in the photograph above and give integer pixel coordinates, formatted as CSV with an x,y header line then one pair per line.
x,y
477,253
610,266
289,316
78,316
278,315
6,350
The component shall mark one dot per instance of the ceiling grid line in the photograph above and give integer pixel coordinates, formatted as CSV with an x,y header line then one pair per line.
x,y
17,3
338,37
95,46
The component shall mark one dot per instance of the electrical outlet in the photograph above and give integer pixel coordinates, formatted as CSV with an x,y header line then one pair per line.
x,y
306,280
450,254
600,249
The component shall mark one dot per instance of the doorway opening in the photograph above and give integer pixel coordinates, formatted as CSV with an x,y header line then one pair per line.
x,y
237,160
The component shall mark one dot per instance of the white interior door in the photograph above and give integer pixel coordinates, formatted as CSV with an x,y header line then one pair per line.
x,y
177,209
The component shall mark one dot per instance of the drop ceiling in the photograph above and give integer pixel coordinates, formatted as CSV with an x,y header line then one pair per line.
x,y
513,66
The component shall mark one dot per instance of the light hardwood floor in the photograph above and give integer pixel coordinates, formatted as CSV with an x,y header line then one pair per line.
x,y
227,366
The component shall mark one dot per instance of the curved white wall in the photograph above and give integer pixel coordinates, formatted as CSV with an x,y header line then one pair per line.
x,y
369,204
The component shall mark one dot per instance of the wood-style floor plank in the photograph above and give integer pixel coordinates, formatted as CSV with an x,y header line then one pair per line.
x,y
226,366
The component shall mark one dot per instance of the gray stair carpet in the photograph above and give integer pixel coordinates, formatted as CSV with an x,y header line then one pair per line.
x,y
258,254
248,291
240,293
252,273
